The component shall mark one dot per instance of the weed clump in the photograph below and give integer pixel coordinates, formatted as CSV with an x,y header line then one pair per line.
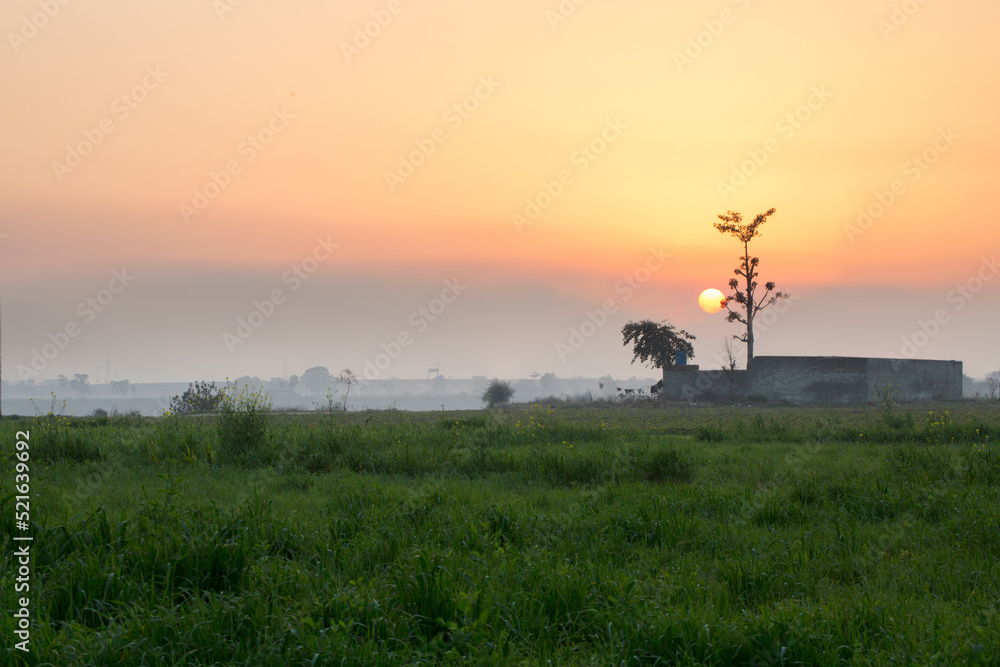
x,y
244,428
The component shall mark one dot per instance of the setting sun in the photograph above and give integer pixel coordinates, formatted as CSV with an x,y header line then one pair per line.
x,y
711,300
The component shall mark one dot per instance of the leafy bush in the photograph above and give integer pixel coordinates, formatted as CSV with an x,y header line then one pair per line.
x,y
498,393
200,397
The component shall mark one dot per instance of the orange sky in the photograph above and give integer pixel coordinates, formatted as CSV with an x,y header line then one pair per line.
x,y
298,121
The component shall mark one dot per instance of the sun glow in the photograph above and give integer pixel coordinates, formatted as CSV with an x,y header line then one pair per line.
x,y
711,300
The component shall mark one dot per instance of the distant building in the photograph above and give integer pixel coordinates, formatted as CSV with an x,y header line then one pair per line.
x,y
817,380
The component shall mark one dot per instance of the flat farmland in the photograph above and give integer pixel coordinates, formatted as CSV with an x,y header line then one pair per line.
x,y
598,534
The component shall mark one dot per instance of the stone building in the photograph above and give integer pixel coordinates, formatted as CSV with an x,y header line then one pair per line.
x,y
817,380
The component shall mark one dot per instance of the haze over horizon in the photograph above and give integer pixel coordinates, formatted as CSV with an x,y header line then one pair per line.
x,y
212,188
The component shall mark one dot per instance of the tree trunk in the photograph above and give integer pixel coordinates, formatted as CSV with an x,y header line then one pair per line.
x,y
748,268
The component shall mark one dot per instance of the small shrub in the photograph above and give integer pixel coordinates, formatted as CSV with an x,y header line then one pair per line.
x,y
885,394
130,414
498,393
900,422
199,398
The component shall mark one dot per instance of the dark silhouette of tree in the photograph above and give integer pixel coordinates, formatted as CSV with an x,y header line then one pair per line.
x,y
747,297
80,383
317,379
657,343
549,383
498,393
252,381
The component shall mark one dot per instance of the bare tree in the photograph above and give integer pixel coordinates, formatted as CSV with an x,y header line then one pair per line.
x,y
729,360
993,384
347,377
747,297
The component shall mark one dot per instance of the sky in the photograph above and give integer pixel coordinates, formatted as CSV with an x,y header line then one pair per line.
x,y
202,189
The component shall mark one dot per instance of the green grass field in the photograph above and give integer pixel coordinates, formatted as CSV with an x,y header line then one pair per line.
x,y
574,535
